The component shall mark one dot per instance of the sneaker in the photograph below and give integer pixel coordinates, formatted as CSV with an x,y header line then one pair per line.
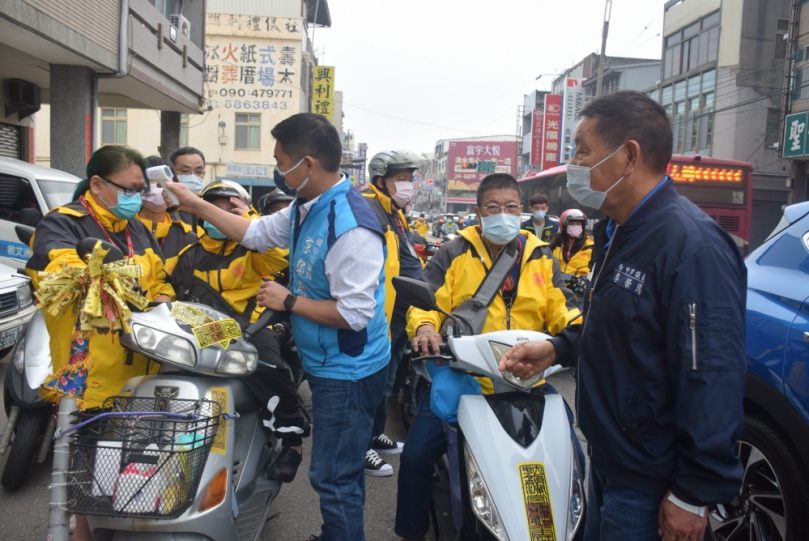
x,y
385,446
285,466
375,466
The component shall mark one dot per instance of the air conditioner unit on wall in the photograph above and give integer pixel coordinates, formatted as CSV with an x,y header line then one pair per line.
x,y
181,23
23,97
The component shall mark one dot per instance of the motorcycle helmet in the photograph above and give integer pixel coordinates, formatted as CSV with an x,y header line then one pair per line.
x,y
384,162
225,188
267,201
572,215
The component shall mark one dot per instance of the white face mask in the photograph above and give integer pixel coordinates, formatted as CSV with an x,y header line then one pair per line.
x,y
154,200
404,193
578,184
193,182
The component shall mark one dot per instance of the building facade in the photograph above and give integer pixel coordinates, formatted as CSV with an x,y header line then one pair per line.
x,y
257,72
78,57
722,83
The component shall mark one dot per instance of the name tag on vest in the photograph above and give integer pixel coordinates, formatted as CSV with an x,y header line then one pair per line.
x,y
628,277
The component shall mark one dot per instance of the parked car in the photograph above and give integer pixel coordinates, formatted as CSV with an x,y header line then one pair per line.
x,y
27,192
16,307
774,446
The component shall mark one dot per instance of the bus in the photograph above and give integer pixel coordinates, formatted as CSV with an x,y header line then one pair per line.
x,y
721,188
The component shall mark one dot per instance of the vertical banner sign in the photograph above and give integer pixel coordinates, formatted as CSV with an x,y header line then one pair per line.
x,y
31,154
553,127
323,91
573,104
795,135
537,139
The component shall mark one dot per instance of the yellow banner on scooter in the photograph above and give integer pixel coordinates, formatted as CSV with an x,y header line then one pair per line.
x,y
220,440
537,500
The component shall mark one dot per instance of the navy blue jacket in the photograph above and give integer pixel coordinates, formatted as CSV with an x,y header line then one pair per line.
x,y
548,232
660,356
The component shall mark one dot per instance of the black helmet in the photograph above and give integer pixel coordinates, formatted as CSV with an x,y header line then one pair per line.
x,y
271,198
225,188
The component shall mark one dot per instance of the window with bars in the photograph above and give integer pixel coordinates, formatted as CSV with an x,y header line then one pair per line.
x,y
771,134
781,32
113,126
248,131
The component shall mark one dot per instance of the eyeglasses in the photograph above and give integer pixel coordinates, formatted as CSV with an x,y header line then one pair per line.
x,y
129,192
511,208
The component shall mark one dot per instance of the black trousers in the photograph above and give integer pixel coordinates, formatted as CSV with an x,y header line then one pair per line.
x,y
272,383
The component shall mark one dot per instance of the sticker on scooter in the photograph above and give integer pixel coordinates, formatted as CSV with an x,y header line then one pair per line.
x,y
537,500
164,391
220,441
218,332
189,314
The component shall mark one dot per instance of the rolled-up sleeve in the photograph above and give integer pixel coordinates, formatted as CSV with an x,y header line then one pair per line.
x,y
268,232
353,268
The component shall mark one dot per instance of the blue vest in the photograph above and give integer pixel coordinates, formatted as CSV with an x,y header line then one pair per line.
x,y
328,352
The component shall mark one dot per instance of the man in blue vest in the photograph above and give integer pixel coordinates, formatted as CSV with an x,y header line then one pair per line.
x,y
337,299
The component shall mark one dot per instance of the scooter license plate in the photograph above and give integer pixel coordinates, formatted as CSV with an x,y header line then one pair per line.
x,y
9,338
537,500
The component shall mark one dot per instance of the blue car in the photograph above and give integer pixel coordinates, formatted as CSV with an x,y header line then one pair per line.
x,y
773,502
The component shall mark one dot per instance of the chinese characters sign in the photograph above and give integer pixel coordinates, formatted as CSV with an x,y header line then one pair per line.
x,y
537,141
573,104
701,174
247,170
252,63
553,128
537,500
466,167
323,91
795,135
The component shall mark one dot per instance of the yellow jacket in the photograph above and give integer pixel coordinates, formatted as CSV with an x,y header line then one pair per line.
x,y
421,226
402,259
231,269
542,301
55,243
172,236
579,263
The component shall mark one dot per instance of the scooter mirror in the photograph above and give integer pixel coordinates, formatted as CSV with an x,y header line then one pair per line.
x,y
415,292
85,248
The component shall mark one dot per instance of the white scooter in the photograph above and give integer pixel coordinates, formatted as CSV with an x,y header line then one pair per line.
x,y
516,473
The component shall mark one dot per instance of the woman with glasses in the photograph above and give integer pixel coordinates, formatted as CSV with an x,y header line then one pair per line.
x,y
104,207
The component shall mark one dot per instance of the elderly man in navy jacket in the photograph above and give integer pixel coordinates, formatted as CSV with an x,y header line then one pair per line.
x,y
660,355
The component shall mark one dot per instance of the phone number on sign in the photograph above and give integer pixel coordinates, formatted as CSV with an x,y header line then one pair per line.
x,y
250,104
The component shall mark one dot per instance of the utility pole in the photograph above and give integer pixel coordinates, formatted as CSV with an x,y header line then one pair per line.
x,y
603,59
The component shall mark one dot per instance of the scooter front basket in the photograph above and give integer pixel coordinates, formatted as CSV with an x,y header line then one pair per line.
x,y
140,457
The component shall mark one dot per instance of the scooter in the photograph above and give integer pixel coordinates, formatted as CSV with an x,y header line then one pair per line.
x,y
31,420
511,460
182,454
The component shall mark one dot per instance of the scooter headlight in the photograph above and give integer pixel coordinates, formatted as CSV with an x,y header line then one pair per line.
x,y
499,350
19,355
238,363
576,506
481,500
164,346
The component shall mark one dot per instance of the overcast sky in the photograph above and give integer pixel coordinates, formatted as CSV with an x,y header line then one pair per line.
x,y
463,66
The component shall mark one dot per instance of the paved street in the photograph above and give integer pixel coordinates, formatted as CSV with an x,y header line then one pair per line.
x,y
295,515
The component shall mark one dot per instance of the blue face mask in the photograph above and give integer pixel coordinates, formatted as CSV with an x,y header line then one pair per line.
x,y
539,215
128,205
500,228
213,232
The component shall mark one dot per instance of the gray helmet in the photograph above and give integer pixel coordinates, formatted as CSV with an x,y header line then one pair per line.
x,y
384,162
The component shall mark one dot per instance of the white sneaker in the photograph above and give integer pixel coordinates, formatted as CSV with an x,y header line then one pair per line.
x,y
385,446
375,466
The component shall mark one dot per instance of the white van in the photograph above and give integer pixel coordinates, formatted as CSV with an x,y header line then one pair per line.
x,y
27,192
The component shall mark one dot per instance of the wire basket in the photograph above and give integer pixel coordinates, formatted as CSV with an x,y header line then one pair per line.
x,y
145,465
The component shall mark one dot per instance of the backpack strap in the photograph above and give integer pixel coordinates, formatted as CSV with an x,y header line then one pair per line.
x,y
473,311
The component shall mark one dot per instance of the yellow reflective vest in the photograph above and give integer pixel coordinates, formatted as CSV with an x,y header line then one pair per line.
x,y
172,236
421,226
